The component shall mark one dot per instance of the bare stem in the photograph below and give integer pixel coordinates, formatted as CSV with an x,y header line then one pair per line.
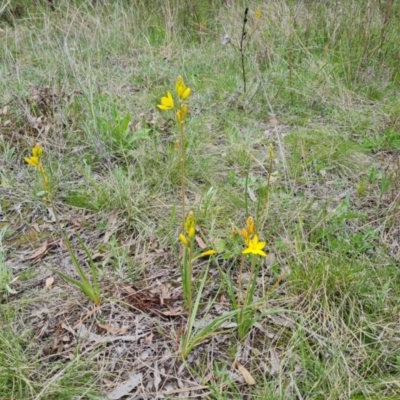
x,y
241,48
182,161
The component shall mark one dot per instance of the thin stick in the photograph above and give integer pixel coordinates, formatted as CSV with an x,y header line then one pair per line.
x,y
241,48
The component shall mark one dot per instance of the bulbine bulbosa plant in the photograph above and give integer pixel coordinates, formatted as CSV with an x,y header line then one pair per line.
x,y
242,298
91,290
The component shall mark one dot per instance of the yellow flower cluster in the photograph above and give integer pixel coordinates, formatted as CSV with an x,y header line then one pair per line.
x,y
254,246
37,153
190,232
35,161
183,92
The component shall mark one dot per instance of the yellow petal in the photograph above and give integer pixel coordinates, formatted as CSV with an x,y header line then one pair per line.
x,y
208,253
185,110
271,152
183,239
191,232
34,161
255,247
189,223
250,226
179,83
167,102
37,151
186,93
181,89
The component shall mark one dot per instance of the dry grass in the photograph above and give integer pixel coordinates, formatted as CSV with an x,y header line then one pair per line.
x,y
323,89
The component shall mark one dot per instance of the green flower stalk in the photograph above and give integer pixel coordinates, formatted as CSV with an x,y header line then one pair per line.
x,y
187,239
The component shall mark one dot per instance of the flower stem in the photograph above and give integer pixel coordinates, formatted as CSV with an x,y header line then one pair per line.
x,y
182,161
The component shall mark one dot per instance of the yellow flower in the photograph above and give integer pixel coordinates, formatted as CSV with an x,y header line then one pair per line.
x,y
167,102
250,226
255,247
179,116
245,235
37,151
182,113
185,110
191,232
258,13
181,89
190,225
271,152
183,239
208,253
34,161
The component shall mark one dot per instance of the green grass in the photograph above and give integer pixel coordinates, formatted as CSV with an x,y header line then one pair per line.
x,y
84,81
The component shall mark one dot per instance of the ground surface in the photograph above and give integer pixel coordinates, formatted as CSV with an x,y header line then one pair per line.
x,y
83,79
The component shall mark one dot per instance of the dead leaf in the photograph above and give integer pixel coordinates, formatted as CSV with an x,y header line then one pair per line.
x,y
111,329
52,215
172,311
101,256
123,330
273,120
35,226
62,245
75,222
84,333
223,299
200,242
274,177
157,377
49,281
112,222
125,387
164,294
275,362
149,338
40,252
108,328
245,373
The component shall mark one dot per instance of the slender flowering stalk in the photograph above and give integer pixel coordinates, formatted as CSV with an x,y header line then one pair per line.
x,y
187,238
267,189
182,110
